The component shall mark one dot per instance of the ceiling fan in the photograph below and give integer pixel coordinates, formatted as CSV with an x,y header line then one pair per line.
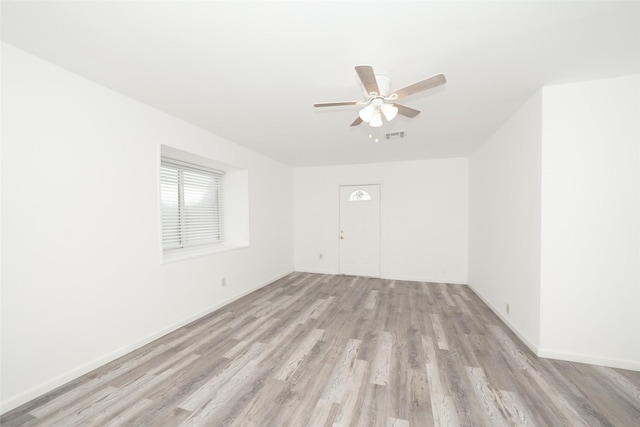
x,y
380,101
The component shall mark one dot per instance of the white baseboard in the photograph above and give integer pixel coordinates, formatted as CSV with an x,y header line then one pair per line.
x,y
24,397
556,354
385,277
523,337
314,271
421,279
632,365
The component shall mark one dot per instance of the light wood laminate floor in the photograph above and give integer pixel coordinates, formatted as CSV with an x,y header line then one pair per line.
x,y
322,350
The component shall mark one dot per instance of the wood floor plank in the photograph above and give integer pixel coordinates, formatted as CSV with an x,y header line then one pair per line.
x,y
130,412
265,324
399,398
436,385
419,400
212,386
349,406
396,422
94,383
594,393
206,414
518,414
166,397
286,338
116,401
322,350
371,301
375,407
441,337
323,414
567,412
70,412
337,386
467,405
382,359
296,358
322,361
253,412
488,396
444,411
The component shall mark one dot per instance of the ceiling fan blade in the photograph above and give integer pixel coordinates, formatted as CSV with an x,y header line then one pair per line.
x,y
429,83
334,104
368,78
356,122
407,111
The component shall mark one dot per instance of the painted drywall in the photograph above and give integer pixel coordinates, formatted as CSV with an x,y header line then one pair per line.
x,y
504,221
554,222
590,274
423,217
84,280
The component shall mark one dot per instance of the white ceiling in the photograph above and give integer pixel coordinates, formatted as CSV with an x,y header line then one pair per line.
x,y
251,71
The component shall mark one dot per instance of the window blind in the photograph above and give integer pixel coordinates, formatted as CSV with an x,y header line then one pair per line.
x,y
191,197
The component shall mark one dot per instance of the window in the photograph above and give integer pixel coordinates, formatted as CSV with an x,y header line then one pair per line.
x,y
191,198
359,195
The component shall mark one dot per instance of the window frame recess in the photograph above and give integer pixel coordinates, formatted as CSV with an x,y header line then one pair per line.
x,y
191,201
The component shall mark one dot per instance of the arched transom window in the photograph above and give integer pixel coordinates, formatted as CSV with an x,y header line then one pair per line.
x,y
359,195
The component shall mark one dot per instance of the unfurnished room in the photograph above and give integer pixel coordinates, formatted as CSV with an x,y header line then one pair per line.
x,y
320,213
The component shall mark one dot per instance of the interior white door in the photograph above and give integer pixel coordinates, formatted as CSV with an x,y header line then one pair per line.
x,y
360,230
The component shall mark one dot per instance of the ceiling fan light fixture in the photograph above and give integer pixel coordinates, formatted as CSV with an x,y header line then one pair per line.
x,y
376,120
389,110
380,100
366,114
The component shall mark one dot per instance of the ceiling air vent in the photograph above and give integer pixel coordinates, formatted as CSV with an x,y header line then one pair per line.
x,y
395,135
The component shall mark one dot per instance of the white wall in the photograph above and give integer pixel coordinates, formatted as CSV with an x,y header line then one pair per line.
x,y
590,277
423,217
504,221
554,222
83,281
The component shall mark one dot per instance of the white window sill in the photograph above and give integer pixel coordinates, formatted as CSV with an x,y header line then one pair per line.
x,y
185,254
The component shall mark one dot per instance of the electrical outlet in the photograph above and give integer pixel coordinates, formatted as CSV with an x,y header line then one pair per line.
x,y
507,308
223,281
321,256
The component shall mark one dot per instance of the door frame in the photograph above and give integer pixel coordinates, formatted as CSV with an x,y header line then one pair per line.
x,y
379,184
